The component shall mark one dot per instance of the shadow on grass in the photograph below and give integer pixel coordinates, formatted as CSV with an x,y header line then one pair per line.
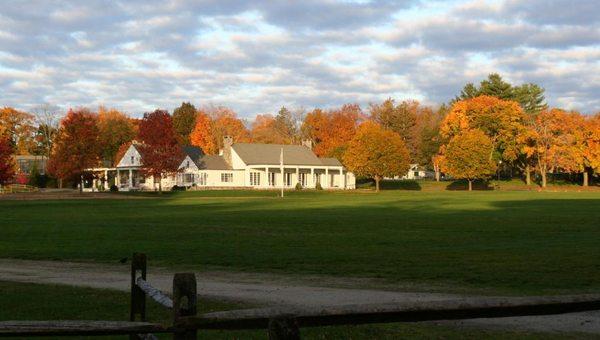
x,y
464,185
390,185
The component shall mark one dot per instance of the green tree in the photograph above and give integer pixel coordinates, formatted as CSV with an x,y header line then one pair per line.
x,y
529,96
285,125
184,120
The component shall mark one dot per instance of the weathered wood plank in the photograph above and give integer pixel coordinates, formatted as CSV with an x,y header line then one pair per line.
x,y
77,328
383,313
154,293
185,299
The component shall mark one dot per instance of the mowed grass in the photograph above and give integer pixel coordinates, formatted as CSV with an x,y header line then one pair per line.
x,y
22,301
514,242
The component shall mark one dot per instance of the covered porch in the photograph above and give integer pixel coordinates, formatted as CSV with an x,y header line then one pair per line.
x,y
270,176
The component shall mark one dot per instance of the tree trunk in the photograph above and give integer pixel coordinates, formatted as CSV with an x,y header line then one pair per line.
x,y
543,174
60,183
528,175
470,185
437,174
376,183
585,178
160,185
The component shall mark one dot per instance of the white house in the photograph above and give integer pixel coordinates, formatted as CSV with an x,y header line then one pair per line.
x,y
239,165
418,172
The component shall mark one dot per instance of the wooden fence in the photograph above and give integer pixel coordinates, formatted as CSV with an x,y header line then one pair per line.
x,y
283,323
16,188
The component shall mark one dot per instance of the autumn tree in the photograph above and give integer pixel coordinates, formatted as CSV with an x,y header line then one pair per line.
x,y
529,96
184,120
542,141
502,121
7,162
19,127
264,130
591,152
76,147
286,126
115,129
468,156
47,118
331,131
213,124
400,118
202,135
161,152
375,152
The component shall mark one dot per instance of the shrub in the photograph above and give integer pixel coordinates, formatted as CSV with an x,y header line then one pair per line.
x,y
298,186
177,188
114,188
319,186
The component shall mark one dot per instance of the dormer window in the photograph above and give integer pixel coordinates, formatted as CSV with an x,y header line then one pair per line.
x,y
132,159
187,164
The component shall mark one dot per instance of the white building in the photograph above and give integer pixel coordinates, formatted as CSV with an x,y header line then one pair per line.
x,y
418,172
239,165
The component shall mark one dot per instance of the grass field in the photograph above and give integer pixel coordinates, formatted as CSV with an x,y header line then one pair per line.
x,y
515,242
50,302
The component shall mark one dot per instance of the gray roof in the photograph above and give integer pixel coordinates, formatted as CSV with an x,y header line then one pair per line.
x,y
330,161
193,151
269,154
212,162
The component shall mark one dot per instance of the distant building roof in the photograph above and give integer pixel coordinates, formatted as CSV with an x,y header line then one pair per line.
x,y
330,161
269,154
212,162
194,152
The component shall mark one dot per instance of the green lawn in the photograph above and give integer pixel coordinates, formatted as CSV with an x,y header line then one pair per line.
x,y
517,242
50,302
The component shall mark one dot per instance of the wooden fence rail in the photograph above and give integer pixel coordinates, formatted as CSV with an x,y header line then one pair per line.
x,y
284,323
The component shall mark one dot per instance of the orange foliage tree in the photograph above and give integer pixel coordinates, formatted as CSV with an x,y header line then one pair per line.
x,y
375,152
265,130
115,129
19,127
331,131
591,152
468,156
212,125
76,147
502,121
544,141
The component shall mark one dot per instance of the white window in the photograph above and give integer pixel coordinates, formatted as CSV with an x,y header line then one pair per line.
x,y
255,178
131,159
202,178
302,179
288,179
187,164
227,177
272,179
188,178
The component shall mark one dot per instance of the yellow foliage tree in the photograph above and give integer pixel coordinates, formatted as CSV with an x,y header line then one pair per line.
x,y
468,156
376,153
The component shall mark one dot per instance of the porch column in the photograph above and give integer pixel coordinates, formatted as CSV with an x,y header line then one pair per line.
x,y
118,178
327,178
342,178
105,179
312,178
297,175
130,178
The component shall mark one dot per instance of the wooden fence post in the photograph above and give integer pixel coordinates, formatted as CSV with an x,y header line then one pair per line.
x,y
285,328
184,302
138,297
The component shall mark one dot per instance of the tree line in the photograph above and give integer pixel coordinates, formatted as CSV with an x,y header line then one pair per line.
x,y
488,127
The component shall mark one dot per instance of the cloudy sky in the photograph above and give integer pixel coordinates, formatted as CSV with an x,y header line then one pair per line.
x,y
254,58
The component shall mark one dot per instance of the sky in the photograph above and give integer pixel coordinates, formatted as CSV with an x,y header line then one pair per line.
x,y
255,57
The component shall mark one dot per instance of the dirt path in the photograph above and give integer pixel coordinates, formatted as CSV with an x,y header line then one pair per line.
x,y
259,289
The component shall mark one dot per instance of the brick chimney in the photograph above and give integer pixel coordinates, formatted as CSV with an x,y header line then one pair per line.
x,y
308,143
227,143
